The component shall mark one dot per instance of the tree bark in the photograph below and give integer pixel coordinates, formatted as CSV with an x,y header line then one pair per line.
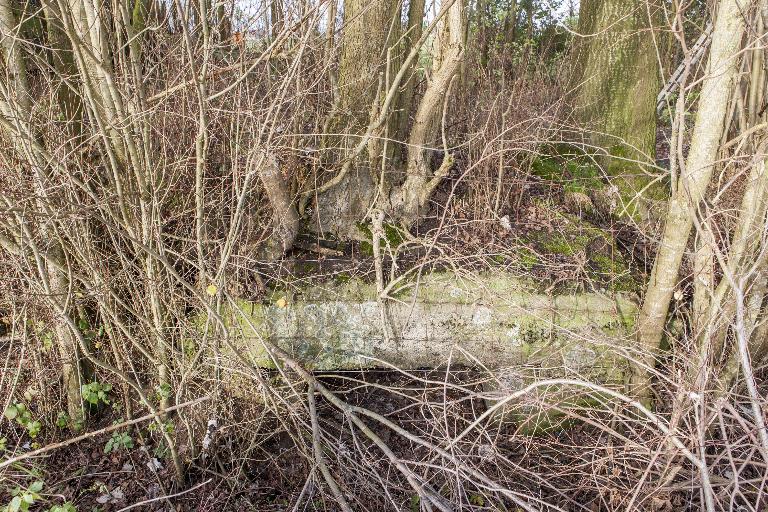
x,y
285,218
510,24
692,184
70,103
330,29
420,182
343,202
276,17
413,33
371,28
616,82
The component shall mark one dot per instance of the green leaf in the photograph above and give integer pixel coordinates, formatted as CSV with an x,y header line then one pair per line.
x,y
15,504
36,486
47,339
34,428
11,412
62,419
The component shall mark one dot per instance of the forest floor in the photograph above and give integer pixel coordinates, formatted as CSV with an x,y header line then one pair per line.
x,y
274,474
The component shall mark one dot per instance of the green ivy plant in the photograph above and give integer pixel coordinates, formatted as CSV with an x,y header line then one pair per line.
x,y
167,427
62,419
23,416
163,391
118,441
66,507
96,392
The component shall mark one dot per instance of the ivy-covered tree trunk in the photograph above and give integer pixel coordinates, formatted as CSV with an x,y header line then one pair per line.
x,y
616,82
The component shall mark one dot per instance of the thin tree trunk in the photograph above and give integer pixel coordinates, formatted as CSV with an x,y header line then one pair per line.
x,y
692,184
425,134
482,31
70,102
276,17
510,24
371,28
285,217
330,30
413,33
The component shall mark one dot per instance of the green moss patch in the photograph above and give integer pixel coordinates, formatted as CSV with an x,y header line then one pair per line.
x,y
393,237
574,243
637,189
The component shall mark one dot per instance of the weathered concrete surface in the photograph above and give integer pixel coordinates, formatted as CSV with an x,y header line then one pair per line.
x,y
497,320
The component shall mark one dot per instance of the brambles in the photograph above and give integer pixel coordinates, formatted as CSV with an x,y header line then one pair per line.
x,y
366,255
23,498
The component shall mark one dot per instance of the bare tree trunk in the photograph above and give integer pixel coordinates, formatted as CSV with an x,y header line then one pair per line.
x,y
692,184
425,134
405,105
277,15
367,35
617,81
343,201
510,24
70,102
330,29
371,29
481,10
285,217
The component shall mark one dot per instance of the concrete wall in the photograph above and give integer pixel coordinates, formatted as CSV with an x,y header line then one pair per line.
x,y
497,320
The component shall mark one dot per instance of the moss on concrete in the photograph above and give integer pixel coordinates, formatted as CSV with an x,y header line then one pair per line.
x,y
527,258
638,192
494,318
393,237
